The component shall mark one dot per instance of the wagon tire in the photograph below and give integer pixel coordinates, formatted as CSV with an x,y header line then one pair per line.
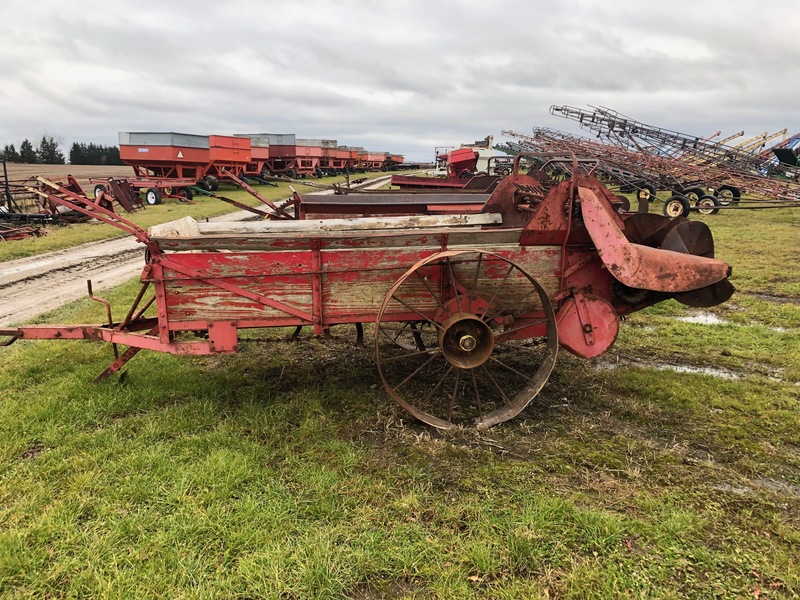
x,y
485,343
203,185
99,189
292,174
646,192
212,182
708,205
693,195
265,173
728,194
152,196
186,192
676,206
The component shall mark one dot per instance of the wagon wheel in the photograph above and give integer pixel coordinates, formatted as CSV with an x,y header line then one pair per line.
x,y
727,194
677,206
407,335
693,194
484,345
646,192
708,205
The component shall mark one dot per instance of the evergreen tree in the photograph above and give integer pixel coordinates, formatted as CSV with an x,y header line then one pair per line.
x,y
48,152
10,153
26,152
76,154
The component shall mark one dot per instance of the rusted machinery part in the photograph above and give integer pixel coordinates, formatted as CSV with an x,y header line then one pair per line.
x,y
649,229
710,295
484,346
643,267
690,237
625,204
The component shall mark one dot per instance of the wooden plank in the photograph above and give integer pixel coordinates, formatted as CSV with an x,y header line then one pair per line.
x,y
322,226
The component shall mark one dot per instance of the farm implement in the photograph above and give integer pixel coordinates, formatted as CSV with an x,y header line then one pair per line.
x,y
701,174
468,309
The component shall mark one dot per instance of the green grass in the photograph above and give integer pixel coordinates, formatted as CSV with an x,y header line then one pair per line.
x,y
59,237
284,471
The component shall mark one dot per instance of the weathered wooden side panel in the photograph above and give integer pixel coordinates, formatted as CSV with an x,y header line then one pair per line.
x,y
353,281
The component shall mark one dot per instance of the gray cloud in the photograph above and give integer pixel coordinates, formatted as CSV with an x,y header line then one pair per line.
x,y
401,76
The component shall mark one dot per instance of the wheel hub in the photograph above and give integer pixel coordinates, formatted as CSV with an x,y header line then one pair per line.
x,y
466,341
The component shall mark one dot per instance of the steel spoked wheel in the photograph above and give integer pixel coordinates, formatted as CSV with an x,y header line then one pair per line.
x,y
483,344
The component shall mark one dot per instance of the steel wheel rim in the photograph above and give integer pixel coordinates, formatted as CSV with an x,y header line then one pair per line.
x,y
674,208
509,369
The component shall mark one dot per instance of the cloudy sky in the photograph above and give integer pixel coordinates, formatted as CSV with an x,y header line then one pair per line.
x,y
401,76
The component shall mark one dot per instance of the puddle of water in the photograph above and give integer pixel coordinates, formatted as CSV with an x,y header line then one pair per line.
x,y
776,485
712,371
733,489
707,318
703,318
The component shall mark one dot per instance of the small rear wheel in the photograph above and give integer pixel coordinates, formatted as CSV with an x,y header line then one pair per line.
x,y
708,205
292,174
677,206
212,182
99,189
693,195
185,192
152,196
646,192
727,194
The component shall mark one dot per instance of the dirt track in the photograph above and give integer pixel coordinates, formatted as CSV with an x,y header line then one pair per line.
x,y
37,284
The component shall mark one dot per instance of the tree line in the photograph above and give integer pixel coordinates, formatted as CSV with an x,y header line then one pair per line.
x,y
49,153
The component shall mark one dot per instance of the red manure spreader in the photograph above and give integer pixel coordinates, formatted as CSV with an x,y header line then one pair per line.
x,y
468,310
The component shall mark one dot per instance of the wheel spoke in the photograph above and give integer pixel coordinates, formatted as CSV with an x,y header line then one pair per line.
x,y
485,318
477,272
477,393
414,310
438,385
496,385
510,368
429,352
453,397
522,327
417,370
453,283
497,292
430,291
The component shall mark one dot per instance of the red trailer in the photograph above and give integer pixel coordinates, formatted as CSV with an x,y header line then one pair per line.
x,y
182,156
469,310
372,161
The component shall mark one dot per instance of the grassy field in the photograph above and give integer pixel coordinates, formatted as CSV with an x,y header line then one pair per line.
x,y
60,237
285,471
